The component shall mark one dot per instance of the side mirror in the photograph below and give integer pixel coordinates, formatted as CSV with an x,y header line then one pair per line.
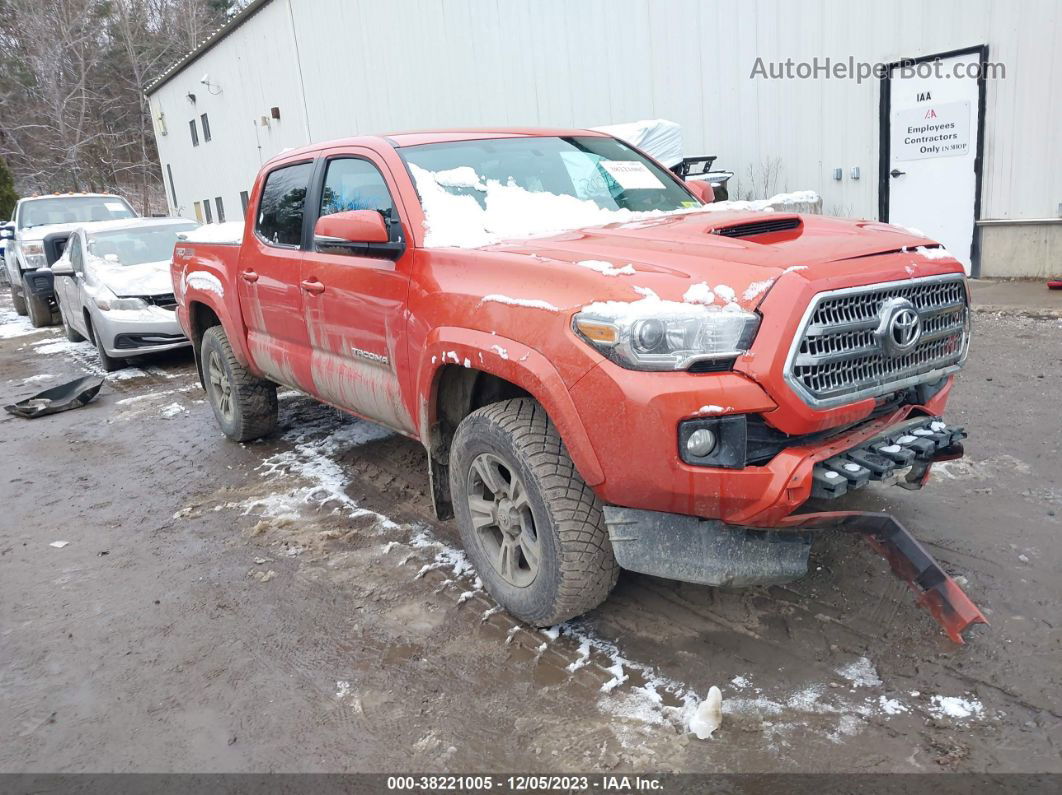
x,y
352,226
62,268
7,232
702,190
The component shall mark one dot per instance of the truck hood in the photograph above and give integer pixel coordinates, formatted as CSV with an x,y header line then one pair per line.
x,y
149,278
731,250
35,234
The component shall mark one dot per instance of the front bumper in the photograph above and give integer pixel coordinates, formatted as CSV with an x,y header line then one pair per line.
x,y
127,333
632,421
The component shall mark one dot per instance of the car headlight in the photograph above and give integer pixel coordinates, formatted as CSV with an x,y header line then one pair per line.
x,y
108,301
33,255
665,335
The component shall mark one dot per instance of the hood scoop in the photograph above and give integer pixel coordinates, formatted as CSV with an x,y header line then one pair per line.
x,y
779,229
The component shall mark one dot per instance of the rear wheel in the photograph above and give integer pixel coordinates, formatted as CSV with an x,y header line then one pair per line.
x,y
40,310
244,405
18,300
532,528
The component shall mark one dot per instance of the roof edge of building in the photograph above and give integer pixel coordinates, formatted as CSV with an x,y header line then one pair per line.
x,y
204,46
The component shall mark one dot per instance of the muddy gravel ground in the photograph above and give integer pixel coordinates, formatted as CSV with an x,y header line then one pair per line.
x,y
291,605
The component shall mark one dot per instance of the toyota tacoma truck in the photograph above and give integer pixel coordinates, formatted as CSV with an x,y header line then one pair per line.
x,y
604,372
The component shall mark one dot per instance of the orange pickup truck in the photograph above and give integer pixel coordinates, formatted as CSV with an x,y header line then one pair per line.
x,y
605,372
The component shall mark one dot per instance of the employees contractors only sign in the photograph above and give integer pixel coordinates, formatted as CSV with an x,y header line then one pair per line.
x,y
931,131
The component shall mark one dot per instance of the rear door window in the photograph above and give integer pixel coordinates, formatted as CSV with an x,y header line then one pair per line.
x,y
283,205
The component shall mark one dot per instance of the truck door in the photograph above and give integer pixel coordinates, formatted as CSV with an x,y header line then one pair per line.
x,y
355,303
271,298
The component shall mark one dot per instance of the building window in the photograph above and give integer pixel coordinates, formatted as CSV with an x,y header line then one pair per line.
x,y
282,204
207,211
198,211
244,201
173,190
221,209
195,132
206,127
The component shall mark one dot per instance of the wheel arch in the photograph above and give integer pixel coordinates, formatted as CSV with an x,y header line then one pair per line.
x,y
463,370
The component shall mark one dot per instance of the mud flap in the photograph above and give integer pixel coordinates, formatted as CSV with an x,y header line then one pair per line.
x,y
71,395
909,560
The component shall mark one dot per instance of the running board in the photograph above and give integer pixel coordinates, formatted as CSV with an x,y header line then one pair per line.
x,y
909,560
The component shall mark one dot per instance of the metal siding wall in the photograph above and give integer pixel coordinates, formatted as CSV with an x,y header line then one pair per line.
x,y
371,67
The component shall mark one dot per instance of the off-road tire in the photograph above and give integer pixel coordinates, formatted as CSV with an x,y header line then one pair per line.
x,y
253,400
38,308
577,567
19,300
107,362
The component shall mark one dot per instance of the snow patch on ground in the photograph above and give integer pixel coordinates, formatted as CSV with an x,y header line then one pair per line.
x,y
955,707
172,410
14,325
313,458
861,673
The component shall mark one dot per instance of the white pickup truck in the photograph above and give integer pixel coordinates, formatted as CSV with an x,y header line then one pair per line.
x,y
36,217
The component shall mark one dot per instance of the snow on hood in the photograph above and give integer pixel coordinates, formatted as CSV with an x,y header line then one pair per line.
x,y
148,278
510,212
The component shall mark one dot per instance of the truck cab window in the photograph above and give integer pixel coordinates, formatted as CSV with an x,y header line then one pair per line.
x,y
354,184
283,204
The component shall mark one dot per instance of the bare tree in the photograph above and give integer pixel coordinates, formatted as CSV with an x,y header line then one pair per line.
x,y
73,112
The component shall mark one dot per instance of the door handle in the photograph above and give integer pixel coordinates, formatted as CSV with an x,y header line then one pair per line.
x,y
896,173
312,286
249,276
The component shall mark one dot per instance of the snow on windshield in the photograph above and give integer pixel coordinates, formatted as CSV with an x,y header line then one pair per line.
x,y
507,211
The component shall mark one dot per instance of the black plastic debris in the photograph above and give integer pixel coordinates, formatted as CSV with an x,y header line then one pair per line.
x,y
71,395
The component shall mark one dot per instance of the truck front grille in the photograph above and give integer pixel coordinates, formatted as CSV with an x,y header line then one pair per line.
x,y
849,348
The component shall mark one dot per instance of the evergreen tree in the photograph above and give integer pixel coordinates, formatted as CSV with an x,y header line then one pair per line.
x,y
8,197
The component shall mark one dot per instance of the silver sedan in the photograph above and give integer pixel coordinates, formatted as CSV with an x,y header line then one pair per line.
x,y
114,287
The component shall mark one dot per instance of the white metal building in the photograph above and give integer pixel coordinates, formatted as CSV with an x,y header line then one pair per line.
x,y
976,162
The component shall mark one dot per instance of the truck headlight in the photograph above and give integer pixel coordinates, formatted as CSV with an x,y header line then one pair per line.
x,y
652,334
33,255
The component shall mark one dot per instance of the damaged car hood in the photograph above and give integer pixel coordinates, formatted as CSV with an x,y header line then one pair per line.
x,y
148,278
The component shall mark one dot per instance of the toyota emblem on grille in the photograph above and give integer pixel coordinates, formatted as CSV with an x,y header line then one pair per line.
x,y
900,326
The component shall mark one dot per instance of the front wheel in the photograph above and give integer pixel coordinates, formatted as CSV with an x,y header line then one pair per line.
x,y
19,300
107,362
40,311
532,528
244,405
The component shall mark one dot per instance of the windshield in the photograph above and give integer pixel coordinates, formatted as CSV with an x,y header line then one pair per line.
x,y
137,246
593,168
72,210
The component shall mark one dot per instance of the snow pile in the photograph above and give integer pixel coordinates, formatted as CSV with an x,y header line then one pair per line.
x,y
229,233
765,205
708,715
935,253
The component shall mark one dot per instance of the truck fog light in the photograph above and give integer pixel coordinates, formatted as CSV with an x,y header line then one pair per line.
x,y
700,443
